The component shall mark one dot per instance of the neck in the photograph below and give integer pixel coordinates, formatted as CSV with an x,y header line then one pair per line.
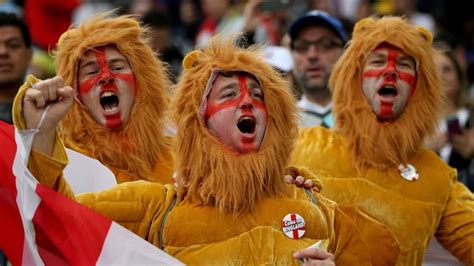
x,y
322,98
7,93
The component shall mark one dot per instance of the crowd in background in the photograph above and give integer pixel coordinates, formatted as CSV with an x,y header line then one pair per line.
x,y
177,26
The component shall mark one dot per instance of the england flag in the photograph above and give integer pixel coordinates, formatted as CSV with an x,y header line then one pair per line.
x,y
41,227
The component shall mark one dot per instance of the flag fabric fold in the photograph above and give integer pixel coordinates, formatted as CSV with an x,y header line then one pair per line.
x,y
39,226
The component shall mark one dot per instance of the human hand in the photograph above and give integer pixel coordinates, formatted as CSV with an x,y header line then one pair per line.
x,y
47,92
296,176
251,15
58,97
300,181
314,256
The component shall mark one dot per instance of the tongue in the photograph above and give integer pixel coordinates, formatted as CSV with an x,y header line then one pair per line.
x,y
109,106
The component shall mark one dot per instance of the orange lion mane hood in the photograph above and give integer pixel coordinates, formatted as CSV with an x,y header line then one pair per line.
x,y
137,146
374,143
208,173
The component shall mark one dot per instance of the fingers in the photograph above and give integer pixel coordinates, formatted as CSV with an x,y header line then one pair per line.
x,y
66,94
289,179
299,180
308,184
47,91
312,253
36,97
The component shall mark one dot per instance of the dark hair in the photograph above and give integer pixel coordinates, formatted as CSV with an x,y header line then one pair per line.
x,y
444,48
154,18
10,19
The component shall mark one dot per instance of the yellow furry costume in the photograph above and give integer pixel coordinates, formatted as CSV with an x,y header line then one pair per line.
x,y
229,208
358,160
139,150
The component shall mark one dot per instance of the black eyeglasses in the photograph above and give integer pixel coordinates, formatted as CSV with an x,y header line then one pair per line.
x,y
323,45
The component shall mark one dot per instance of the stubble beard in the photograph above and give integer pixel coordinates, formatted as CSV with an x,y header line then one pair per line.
x,y
314,89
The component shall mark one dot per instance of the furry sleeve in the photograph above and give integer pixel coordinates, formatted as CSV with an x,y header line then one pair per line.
x,y
456,228
138,206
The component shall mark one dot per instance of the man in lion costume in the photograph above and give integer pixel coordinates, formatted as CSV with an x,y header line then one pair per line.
x,y
120,89
387,98
236,122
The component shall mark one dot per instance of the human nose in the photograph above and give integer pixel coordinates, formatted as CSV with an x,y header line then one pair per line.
x,y
390,72
313,51
247,101
3,49
106,77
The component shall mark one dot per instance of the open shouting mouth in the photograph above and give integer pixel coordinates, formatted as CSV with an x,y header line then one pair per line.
x,y
388,93
247,125
109,102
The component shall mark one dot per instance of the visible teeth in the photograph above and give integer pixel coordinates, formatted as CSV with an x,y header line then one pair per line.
x,y
107,94
246,118
110,108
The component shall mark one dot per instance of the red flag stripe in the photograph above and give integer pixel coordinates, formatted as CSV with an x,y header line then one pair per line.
x,y
68,237
13,235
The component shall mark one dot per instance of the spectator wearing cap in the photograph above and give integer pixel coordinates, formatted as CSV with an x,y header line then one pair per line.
x,y
317,41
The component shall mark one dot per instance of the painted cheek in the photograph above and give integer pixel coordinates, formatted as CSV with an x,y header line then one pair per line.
x,y
86,85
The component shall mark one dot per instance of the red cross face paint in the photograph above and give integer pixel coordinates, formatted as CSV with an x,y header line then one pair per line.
x,y
235,111
106,86
388,81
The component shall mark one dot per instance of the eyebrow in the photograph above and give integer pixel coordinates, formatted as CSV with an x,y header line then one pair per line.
x,y
88,63
231,85
117,60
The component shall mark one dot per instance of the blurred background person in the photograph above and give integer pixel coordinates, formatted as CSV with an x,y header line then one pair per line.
x,y
265,21
15,57
454,141
317,41
219,17
162,42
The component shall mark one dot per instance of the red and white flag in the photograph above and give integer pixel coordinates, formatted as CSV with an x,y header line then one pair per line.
x,y
39,226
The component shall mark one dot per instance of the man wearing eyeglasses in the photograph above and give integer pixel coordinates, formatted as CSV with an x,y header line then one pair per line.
x,y
317,41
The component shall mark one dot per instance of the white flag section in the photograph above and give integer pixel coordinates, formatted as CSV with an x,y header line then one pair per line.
x,y
85,174
41,227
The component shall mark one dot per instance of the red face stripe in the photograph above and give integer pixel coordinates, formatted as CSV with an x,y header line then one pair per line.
x,y
213,107
386,109
393,55
86,85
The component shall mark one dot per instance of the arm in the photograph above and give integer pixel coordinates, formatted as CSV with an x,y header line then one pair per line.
x,y
346,241
48,157
456,228
138,206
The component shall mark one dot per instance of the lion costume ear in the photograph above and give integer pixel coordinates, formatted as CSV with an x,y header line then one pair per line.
x,y
363,24
191,59
425,34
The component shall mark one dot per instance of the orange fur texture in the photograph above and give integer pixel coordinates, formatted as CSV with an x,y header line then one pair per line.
x,y
374,143
137,146
208,172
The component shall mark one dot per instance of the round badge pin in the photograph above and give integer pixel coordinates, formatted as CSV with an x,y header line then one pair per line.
x,y
408,172
293,226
